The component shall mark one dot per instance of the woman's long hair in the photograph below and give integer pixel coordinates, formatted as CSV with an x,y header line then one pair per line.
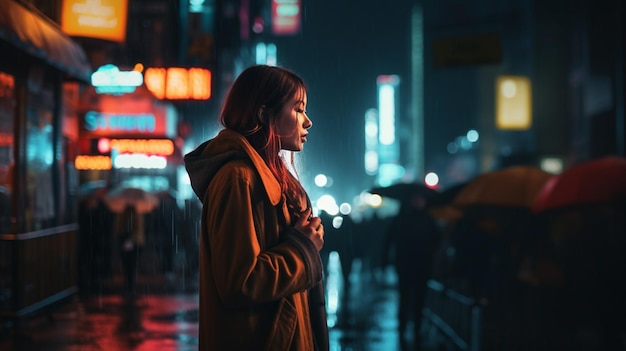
x,y
266,88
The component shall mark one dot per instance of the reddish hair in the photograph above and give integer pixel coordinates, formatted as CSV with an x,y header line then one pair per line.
x,y
267,89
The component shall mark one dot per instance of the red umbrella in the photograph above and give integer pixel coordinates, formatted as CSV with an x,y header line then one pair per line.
x,y
601,180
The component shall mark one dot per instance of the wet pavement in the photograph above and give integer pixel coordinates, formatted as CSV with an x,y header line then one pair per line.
x,y
165,317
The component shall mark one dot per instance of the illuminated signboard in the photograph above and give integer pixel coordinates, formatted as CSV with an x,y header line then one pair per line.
x,y
108,79
101,19
119,122
177,83
286,17
126,153
103,163
163,147
389,168
93,162
513,103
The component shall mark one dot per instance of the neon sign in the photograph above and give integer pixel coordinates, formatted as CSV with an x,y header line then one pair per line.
x,y
147,146
101,121
177,83
105,163
85,162
139,161
108,79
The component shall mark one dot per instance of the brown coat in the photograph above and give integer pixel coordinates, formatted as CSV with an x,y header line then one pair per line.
x,y
254,272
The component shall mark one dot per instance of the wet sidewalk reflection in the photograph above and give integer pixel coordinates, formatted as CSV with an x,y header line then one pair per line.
x,y
108,323
362,316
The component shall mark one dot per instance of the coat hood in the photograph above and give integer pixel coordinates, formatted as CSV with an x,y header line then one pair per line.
x,y
206,160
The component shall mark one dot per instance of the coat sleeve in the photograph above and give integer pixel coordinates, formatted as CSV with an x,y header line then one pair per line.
x,y
243,270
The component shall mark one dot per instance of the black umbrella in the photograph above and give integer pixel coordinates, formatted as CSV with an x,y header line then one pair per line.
x,y
446,196
403,191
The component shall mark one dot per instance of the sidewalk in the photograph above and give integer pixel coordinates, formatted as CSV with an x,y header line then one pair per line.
x,y
162,318
165,318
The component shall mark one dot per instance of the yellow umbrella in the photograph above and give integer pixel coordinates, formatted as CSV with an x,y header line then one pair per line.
x,y
515,186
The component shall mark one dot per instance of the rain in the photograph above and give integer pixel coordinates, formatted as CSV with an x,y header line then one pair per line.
x,y
467,160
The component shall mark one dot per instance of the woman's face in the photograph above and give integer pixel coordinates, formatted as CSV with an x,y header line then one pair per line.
x,y
293,123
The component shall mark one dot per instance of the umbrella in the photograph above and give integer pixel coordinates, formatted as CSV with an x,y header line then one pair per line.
x,y
89,188
446,196
601,180
119,198
403,191
440,205
515,186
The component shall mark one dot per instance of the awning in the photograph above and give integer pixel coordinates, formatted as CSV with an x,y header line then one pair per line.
x,y
42,38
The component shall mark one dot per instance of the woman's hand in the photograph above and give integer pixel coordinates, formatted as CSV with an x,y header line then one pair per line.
x,y
312,227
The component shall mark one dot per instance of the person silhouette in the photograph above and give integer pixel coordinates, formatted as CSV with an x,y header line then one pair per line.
x,y
129,230
410,243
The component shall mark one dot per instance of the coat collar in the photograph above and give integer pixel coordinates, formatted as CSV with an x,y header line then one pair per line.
x,y
271,185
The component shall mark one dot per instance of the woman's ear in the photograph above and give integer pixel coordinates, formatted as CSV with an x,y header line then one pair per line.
x,y
261,114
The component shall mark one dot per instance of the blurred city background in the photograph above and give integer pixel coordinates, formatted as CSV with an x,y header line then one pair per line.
x,y
501,121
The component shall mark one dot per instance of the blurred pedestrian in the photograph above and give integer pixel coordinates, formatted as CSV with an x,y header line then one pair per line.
x,y
260,268
166,221
411,241
337,239
190,236
95,242
129,231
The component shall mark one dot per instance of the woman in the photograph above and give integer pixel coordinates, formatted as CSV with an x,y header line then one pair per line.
x,y
260,270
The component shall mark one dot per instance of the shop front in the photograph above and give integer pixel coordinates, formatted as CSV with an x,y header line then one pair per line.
x,y
128,140
128,144
42,72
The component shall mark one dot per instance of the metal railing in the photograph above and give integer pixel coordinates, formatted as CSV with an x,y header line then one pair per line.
x,y
454,321
36,269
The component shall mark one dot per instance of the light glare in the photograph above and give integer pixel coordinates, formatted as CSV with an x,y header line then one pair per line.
x,y
431,179
328,204
321,180
472,135
345,208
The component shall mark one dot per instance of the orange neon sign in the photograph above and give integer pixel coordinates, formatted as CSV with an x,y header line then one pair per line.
x,y
85,162
176,83
163,147
102,19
